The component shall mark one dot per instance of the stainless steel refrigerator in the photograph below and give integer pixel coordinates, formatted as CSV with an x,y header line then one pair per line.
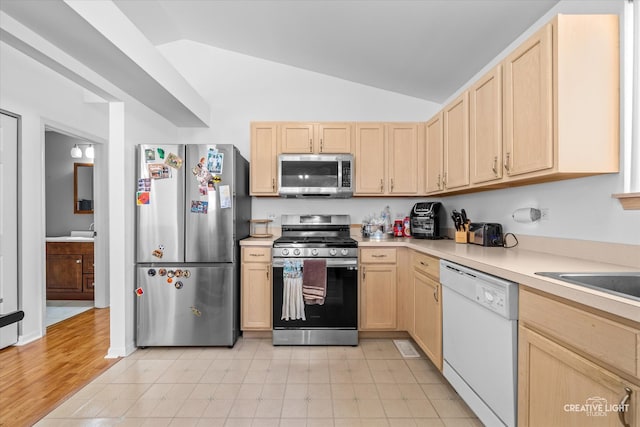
x,y
193,207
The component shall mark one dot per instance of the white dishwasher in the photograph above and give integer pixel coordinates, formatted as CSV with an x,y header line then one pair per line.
x,y
480,341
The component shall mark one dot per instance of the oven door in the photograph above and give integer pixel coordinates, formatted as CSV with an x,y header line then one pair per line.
x,y
340,309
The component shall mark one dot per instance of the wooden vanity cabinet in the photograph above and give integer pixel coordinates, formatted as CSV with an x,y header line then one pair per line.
x,y
255,291
70,270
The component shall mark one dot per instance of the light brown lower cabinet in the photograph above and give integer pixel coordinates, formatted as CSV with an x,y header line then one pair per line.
x,y
255,290
428,317
427,305
557,387
378,289
577,366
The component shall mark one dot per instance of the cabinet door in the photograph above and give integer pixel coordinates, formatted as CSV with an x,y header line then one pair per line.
x,y
64,273
256,296
334,138
528,105
485,128
557,387
296,138
428,316
402,158
88,283
434,153
370,159
264,156
378,297
456,143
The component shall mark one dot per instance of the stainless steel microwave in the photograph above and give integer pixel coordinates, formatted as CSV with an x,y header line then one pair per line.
x,y
315,175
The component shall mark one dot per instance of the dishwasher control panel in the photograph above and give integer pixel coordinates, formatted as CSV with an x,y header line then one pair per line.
x,y
492,298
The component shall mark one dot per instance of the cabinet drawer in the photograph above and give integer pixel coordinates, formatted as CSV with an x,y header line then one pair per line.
x,y
255,254
608,341
426,264
378,255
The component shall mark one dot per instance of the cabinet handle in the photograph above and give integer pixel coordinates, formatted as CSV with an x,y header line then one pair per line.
x,y
378,256
364,274
494,168
267,273
256,254
273,184
506,162
381,185
444,180
623,407
391,184
424,263
435,294
79,261
310,145
438,182
321,150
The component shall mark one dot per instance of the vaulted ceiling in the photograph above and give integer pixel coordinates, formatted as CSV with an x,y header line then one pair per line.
x,y
426,49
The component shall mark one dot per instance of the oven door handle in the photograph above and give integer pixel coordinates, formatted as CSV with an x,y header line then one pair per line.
x,y
351,264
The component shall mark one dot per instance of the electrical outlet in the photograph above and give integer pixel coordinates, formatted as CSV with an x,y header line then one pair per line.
x,y
544,214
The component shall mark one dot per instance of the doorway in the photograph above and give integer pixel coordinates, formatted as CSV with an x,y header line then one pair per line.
x,y
75,256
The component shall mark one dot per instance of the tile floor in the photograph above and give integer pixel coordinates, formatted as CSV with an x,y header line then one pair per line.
x,y
256,384
59,310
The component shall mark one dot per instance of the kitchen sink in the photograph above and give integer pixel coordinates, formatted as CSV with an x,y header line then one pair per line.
x,y
625,284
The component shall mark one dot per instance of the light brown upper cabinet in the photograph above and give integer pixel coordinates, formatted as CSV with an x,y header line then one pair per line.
x,y
403,157
434,150
528,87
456,143
264,158
485,128
387,158
315,138
371,173
561,100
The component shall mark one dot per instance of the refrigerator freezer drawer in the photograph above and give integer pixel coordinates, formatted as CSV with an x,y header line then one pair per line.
x,y
198,310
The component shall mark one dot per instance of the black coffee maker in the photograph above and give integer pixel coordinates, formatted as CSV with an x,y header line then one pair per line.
x,y
425,220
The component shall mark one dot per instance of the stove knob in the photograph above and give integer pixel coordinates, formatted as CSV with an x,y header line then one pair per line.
x,y
333,252
296,252
285,252
344,252
314,252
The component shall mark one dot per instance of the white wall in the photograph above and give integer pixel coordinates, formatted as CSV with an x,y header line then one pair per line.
x,y
43,97
578,208
242,89
60,216
40,96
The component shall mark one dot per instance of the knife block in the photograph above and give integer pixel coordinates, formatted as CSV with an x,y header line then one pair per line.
x,y
463,236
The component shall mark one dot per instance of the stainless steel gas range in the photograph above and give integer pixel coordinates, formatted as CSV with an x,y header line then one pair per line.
x,y
315,282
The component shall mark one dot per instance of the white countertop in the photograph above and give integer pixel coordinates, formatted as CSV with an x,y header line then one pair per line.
x,y
515,264
70,239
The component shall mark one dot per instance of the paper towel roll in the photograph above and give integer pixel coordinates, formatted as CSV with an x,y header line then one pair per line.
x,y
526,215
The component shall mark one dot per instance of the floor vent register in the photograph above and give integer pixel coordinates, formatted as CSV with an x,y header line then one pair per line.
x,y
406,349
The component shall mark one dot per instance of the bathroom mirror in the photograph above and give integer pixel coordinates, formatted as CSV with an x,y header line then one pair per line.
x,y
83,188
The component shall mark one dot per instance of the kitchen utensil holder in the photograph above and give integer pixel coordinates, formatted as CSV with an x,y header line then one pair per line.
x,y
461,237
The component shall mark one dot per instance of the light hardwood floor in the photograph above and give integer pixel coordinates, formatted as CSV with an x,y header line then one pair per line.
x,y
37,377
